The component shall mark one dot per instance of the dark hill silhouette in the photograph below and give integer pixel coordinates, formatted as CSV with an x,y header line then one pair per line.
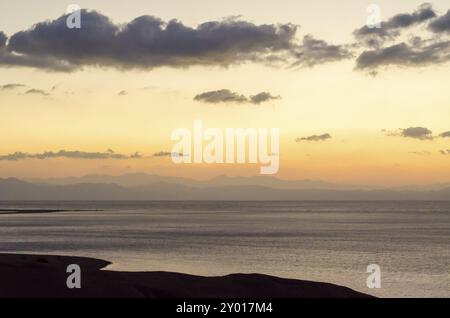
x,y
42,276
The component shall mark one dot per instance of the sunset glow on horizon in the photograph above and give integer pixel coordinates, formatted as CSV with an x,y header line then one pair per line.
x,y
386,117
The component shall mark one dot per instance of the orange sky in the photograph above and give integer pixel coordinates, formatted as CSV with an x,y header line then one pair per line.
x,y
85,112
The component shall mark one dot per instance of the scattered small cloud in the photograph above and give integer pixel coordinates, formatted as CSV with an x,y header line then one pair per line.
x,y
220,96
421,133
123,93
136,155
445,134
262,97
417,133
445,152
167,154
228,96
314,138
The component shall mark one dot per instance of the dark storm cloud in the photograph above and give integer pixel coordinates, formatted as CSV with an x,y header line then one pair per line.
x,y
391,28
441,24
8,58
227,96
314,51
419,53
35,91
148,42
66,154
445,134
314,138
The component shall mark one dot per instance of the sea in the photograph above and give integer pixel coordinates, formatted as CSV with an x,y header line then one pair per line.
x,y
326,241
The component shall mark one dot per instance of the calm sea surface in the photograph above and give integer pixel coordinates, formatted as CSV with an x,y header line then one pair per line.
x,y
321,241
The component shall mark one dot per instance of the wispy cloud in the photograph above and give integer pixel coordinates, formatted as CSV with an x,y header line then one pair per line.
x,y
313,52
420,153
418,53
11,86
35,91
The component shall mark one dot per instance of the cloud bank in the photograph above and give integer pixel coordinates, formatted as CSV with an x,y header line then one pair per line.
x,y
109,154
148,42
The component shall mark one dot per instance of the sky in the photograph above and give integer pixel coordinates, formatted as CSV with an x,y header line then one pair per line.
x,y
353,105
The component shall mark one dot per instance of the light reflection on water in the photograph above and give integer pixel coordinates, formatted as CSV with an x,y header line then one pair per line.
x,y
320,241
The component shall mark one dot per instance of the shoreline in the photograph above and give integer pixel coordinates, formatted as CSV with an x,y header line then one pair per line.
x,y
45,276
40,211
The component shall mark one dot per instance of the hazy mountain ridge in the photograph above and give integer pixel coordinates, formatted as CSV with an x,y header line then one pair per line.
x,y
15,189
140,179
